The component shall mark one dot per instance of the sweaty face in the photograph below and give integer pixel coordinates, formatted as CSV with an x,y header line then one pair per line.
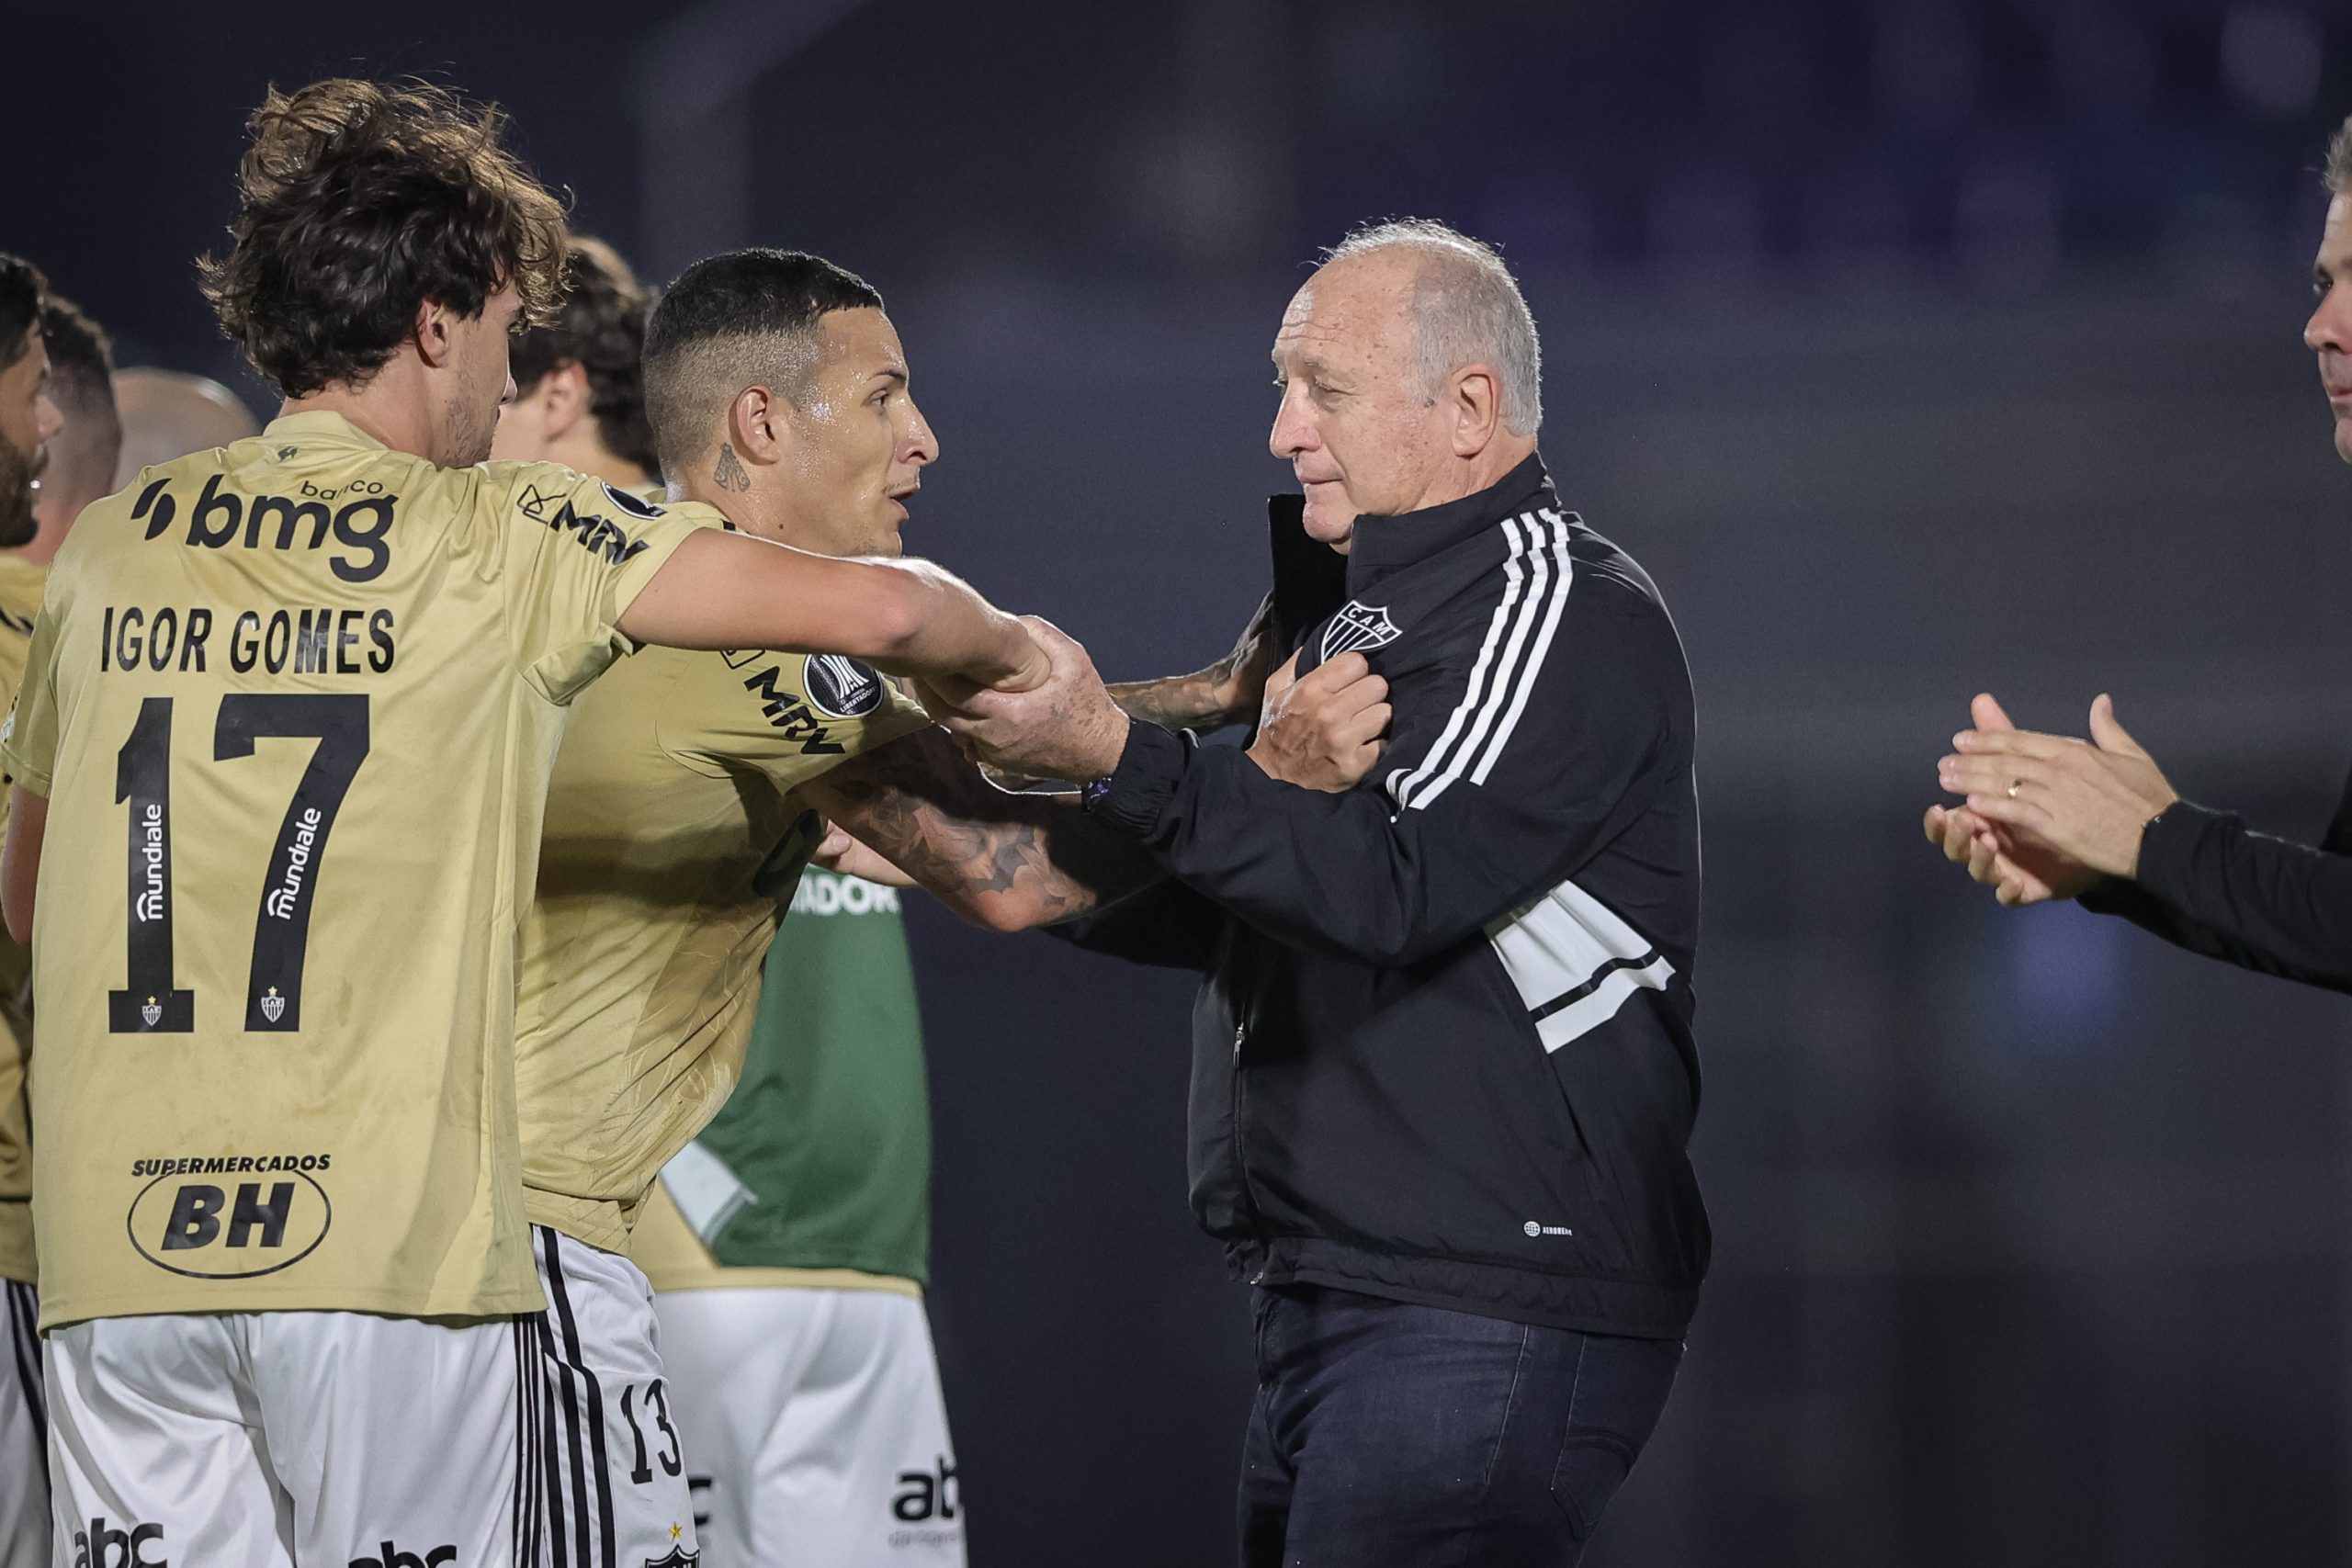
x,y
858,445
1361,431
27,418
478,384
2329,332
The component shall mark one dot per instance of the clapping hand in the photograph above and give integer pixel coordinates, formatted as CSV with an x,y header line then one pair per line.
x,y
2045,816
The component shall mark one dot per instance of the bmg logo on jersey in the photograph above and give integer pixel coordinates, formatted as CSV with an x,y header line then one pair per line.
x,y
231,1229
219,520
101,1546
393,1557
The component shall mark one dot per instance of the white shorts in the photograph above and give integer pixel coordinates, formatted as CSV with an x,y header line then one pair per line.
x,y
24,1436
615,1472
270,1438
814,1422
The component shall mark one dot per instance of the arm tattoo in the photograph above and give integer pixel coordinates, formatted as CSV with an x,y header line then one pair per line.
x,y
1009,860
1177,701
730,474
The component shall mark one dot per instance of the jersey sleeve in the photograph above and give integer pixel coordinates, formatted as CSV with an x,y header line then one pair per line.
x,y
29,735
790,716
574,553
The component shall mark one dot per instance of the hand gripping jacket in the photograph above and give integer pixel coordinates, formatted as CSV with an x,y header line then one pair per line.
x,y
1442,1050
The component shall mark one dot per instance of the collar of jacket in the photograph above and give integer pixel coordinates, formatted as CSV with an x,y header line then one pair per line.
x,y
1385,545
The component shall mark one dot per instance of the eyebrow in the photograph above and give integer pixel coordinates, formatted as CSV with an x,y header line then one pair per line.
x,y
895,373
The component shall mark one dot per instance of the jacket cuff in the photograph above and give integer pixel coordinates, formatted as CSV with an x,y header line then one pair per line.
x,y
1150,767
2170,847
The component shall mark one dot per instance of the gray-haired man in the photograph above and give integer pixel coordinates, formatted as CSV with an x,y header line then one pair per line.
x,y
1443,1070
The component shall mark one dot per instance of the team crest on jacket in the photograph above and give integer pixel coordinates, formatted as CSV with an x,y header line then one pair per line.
x,y
842,687
679,1558
1359,628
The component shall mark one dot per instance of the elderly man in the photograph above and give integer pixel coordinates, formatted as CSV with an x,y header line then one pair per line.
x,y
1443,1070
2047,817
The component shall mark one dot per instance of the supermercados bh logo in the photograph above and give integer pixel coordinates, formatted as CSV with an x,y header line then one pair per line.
x,y
1359,628
602,534
841,687
229,1216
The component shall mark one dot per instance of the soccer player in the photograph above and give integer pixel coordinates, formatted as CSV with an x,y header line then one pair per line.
x,y
309,689
2050,817
790,1288
684,804
29,421
169,413
81,454
580,380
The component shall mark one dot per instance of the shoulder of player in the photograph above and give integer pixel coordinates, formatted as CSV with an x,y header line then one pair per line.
x,y
554,495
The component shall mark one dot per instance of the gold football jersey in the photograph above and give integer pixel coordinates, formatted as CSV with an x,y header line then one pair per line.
x,y
672,834
294,704
21,589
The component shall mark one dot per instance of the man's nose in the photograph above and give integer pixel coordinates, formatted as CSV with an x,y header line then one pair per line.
x,y
1293,433
922,442
2330,324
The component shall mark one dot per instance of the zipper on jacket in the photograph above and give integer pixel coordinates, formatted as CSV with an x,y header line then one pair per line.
x,y
1241,1162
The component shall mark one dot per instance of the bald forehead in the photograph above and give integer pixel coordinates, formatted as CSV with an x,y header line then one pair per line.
x,y
1352,306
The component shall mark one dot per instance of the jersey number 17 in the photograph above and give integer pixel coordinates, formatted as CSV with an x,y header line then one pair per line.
x,y
150,1003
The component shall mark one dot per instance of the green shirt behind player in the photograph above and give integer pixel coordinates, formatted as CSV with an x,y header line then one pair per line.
x,y
791,1243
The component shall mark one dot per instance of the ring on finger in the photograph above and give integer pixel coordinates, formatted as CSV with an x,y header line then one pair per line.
x,y
2015,785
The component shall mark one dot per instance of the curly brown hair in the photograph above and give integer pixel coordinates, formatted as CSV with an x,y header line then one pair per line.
x,y
358,202
601,328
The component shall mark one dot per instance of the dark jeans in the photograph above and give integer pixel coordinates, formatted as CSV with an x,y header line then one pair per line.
x,y
1392,1436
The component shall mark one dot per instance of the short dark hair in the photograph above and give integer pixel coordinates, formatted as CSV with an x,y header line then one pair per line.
x,y
81,382
359,202
731,320
601,328
2338,176
22,288
80,356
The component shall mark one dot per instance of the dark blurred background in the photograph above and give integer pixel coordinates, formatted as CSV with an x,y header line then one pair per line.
x,y
1917,346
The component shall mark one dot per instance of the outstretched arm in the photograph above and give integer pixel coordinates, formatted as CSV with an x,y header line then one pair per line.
x,y
723,590
2054,816
1005,862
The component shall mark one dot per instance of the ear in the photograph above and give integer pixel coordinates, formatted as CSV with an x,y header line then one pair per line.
x,y
435,325
565,388
1477,398
755,425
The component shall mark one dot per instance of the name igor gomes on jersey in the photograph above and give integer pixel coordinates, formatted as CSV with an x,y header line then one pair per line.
x,y
294,704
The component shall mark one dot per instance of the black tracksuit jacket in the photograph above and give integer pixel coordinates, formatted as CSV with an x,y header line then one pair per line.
x,y
1442,1050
